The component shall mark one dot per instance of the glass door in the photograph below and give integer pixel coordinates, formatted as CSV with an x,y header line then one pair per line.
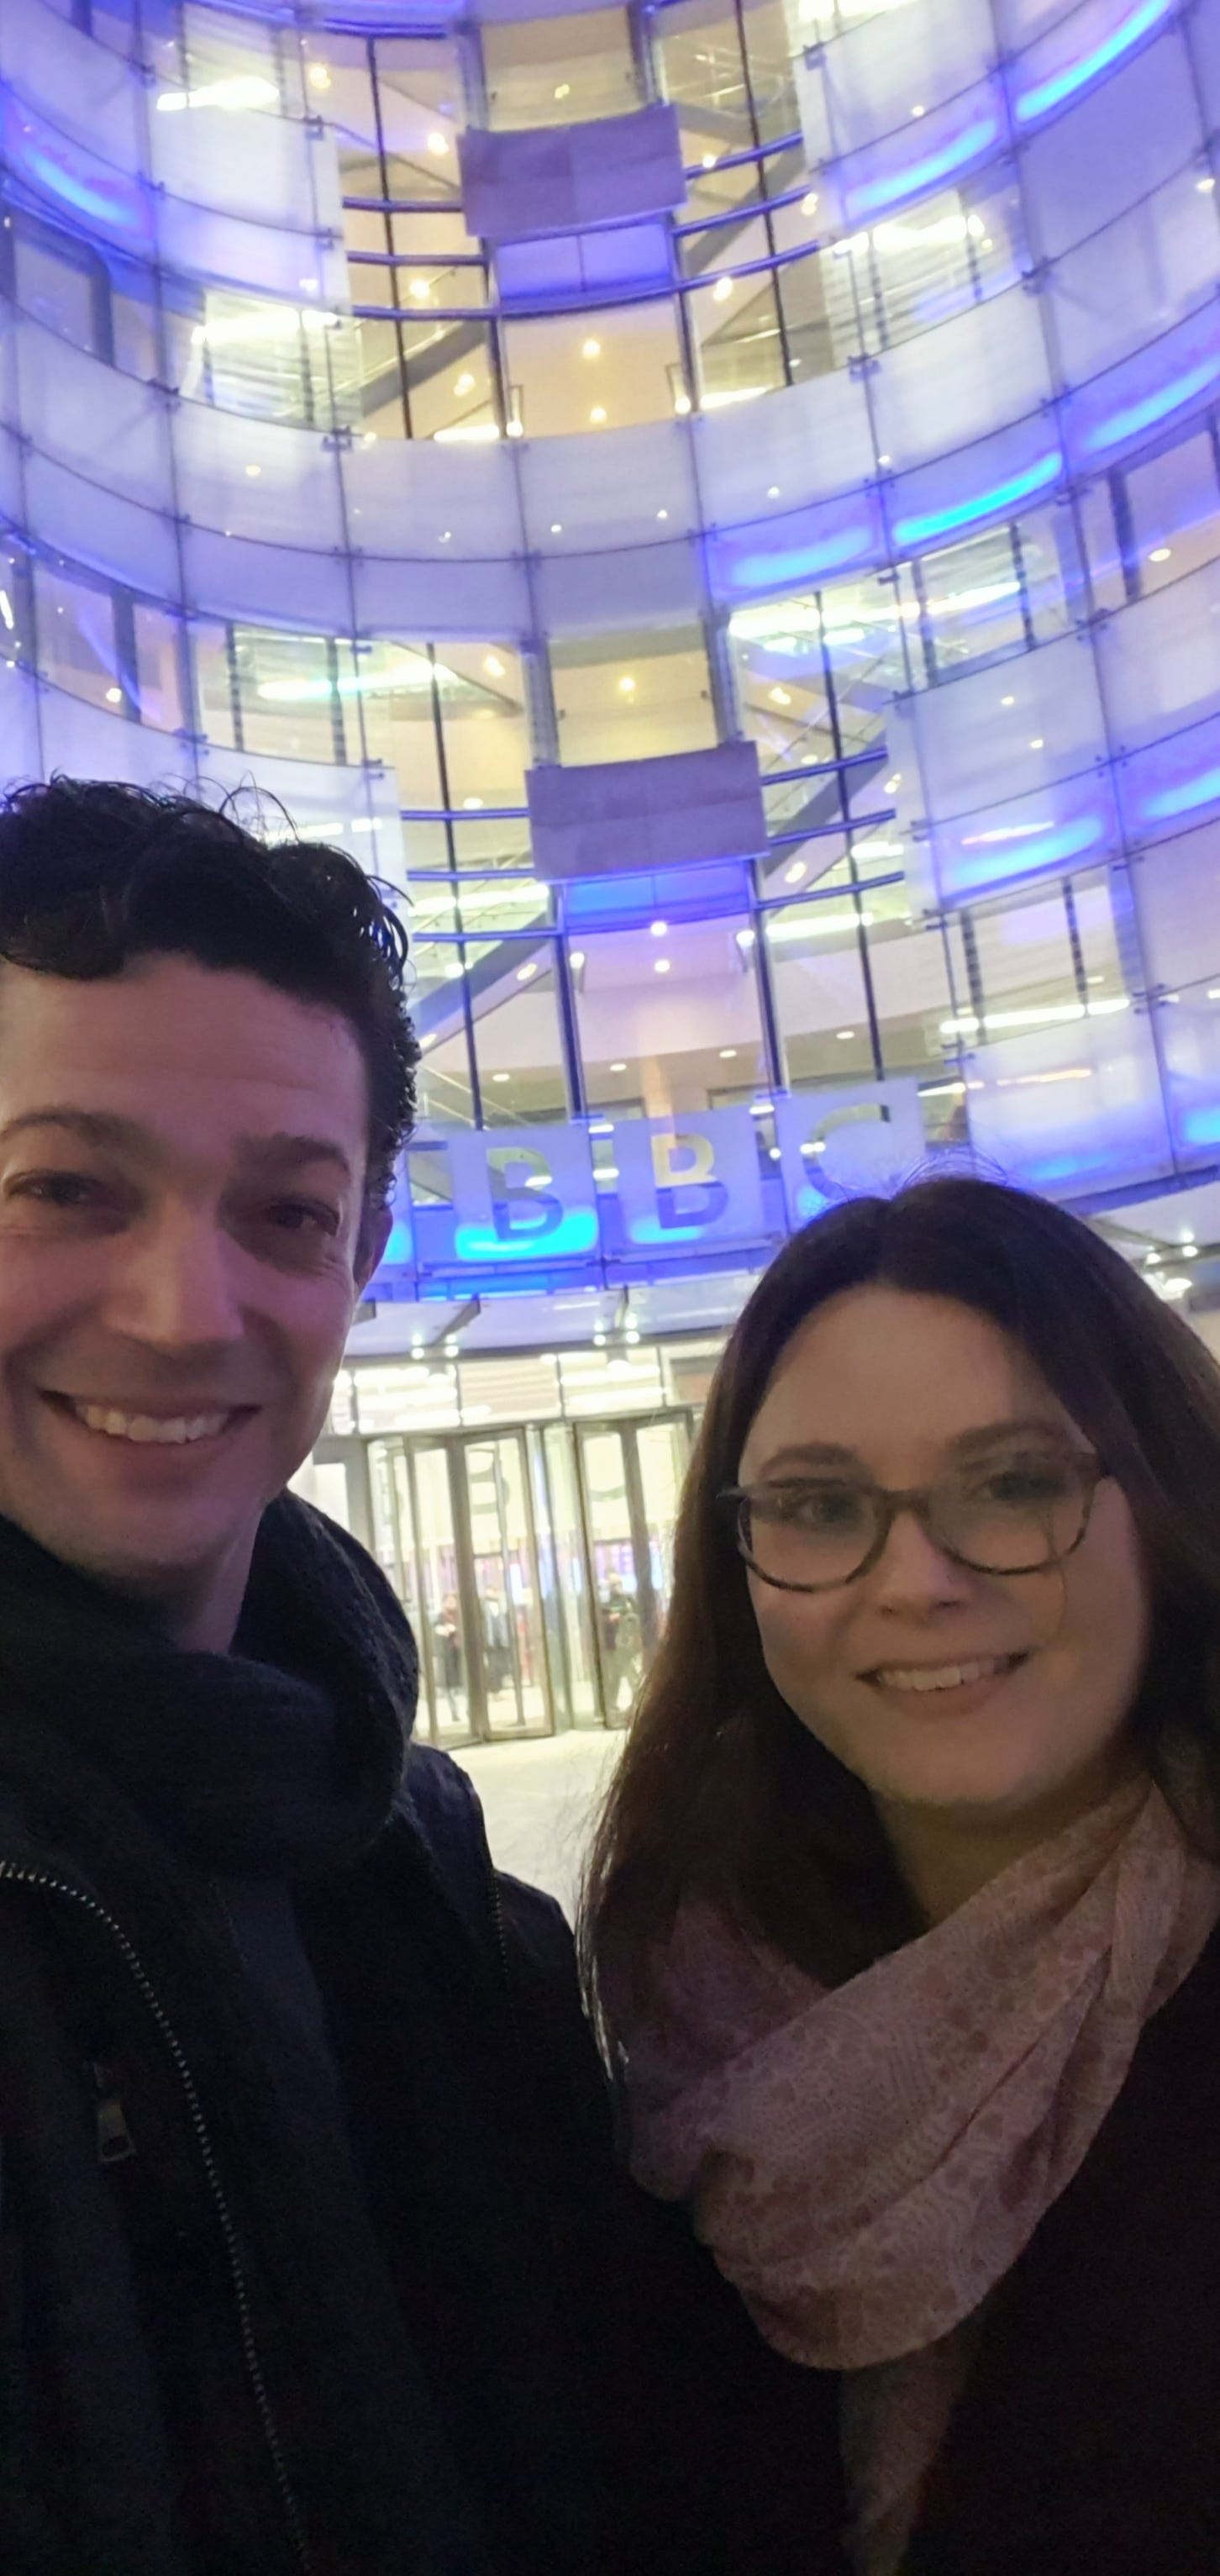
x,y
441,1628
573,1609
662,1453
623,1602
508,1620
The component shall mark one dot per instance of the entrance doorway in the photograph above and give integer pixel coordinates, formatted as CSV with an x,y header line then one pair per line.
x,y
534,1564
631,1474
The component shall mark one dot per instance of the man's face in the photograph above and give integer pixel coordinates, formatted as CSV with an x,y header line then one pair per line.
x,y
182,1159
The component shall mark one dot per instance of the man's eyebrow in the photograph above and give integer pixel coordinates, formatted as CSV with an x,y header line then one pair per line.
x,y
288,1152
89,1126
283,1150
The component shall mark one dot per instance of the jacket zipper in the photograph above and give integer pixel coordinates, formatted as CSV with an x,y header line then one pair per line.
x,y
497,1917
78,1896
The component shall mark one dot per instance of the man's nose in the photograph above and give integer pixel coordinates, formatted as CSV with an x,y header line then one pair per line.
x,y
173,1284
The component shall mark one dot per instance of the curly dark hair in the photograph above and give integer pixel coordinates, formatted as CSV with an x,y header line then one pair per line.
x,y
94,874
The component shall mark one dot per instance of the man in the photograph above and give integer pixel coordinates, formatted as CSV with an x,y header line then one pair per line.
x,y
314,2260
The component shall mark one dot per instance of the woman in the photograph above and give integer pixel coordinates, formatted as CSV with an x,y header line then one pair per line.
x,y
903,1909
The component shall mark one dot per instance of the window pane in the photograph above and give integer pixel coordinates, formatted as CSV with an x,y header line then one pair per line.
x,y
158,667
735,327
688,1038
547,71
592,371
1175,511
631,697
700,65
517,1041
818,983
76,641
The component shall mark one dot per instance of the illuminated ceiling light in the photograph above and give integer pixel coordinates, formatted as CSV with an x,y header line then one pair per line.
x,y
598,414
493,665
722,290
564,89
780,698
773,491
438,143
1205,186
499,1077
1160,554
6,611
709,161
744,938
445,536
515,429
318,76
892,783
556,527
576,960
253,471
662,514
591,348
1037,744
627,685
114,697
620,1066
681,405
885,460
845,1033
659,929
1008,702
661,965
809,204
524,972
793,875
727,1054
919,111
308,285
472,804
421,289
465,383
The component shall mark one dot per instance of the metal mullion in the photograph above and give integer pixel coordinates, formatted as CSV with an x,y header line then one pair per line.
x,y
404,389
442,764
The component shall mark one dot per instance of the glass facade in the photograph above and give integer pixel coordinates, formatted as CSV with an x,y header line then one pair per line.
x,y
885,440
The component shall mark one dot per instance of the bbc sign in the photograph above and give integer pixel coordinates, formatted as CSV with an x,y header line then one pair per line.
x,y
634,1198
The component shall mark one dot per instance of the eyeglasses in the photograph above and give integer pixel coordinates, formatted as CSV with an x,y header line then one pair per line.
x,y
1016,1514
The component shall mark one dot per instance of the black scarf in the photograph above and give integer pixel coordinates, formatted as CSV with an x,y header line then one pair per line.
x,y
148,1765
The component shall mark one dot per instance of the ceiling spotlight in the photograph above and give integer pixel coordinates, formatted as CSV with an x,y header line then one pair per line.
x,y
524,972
318,76
493,665
438,143
421,290
658,929
681,405
556,527
591,349
465,383
709,161
661,965
1160,554
598,414
627,685
114,697
620,1066
722,290
780,698
576,960
472,804
727,1054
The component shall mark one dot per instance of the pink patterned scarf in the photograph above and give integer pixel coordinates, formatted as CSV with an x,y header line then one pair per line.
x,y
867,2162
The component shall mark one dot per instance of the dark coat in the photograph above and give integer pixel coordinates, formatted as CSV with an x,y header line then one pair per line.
x,y
591,2372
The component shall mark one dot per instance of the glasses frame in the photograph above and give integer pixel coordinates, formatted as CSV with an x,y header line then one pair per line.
x,y
917,1499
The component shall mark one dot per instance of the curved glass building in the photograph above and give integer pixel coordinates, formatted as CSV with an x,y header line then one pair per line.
x,y
718,502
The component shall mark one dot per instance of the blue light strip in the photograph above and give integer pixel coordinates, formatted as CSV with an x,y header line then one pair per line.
x,y
1049,94
940,523
968,146
1185,798
802,563
1158,406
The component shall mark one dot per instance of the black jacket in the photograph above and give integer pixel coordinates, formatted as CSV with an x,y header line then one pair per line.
x,y
479,2352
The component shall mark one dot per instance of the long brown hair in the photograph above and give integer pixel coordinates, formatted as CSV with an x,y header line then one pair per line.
x,y
720,1789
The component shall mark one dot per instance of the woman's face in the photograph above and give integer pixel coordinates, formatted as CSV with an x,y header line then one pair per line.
x,y
896,1381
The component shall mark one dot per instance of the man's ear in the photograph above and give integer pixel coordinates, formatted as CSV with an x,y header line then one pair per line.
x,y
374,1235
